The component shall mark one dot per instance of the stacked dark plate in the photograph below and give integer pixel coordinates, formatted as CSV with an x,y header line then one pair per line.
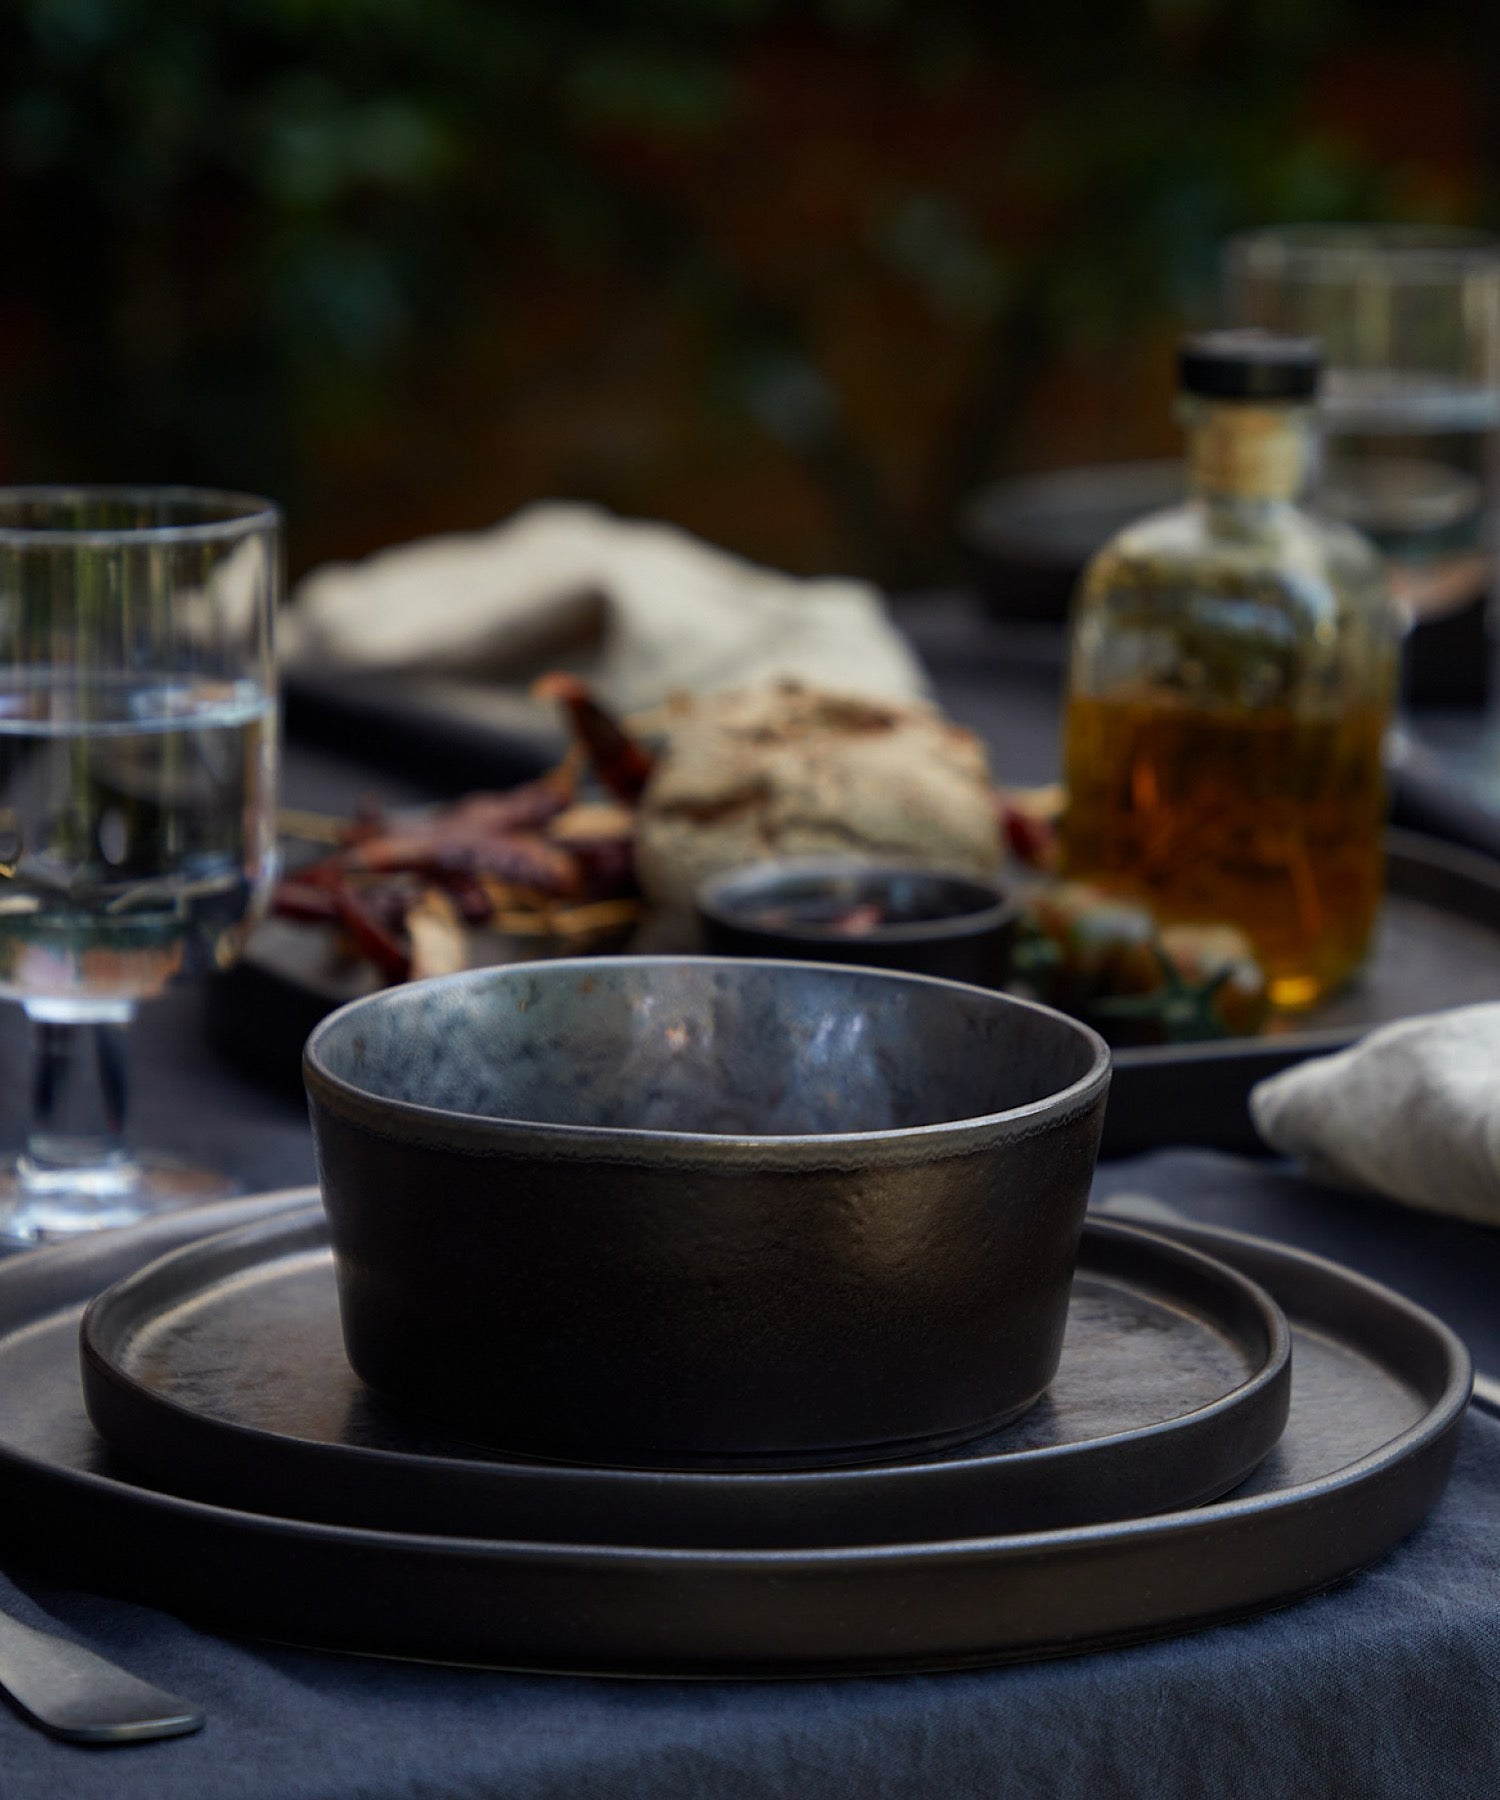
x,y
724,1364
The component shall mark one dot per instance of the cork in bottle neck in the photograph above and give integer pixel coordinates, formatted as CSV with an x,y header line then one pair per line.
x,y
1244,451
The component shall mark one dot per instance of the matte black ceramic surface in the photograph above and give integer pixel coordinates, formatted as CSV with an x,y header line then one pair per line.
x,y
1378,1391
925,921
219,1373
684,1211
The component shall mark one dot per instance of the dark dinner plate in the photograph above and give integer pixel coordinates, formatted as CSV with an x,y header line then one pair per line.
x,y
220,1373
1378,1391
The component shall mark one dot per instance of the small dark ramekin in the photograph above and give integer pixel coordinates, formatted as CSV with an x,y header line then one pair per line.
x,y
690,1212
956,925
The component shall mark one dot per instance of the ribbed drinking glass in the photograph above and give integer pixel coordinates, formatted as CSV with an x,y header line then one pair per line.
x,y
137,807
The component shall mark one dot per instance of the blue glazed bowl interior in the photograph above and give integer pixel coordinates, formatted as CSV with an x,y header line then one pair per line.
x,y
705,1046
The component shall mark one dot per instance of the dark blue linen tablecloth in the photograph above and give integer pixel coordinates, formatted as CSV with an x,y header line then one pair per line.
x,y
1387,1685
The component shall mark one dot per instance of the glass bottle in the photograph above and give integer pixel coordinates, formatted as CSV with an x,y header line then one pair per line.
x,y
1231,678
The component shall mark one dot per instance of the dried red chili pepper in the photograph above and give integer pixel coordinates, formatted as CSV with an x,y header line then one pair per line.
x,y
607,866
307,902
620,763
527,807
372,939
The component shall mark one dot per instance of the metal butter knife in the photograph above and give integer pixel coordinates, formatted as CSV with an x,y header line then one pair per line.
x,y
73,1694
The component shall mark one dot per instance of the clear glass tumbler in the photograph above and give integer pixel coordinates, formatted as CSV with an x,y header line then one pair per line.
x,y
1409,320
137,807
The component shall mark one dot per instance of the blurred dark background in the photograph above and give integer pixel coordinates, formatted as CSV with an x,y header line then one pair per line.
x,y
799,277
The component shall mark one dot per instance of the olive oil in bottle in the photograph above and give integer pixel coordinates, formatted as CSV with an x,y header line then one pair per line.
x,y
1230,682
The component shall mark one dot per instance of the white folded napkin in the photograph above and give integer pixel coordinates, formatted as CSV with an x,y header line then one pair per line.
x,y
1412,1112
642,610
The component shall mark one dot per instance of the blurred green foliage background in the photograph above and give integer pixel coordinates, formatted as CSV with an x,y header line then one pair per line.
x,y
799,276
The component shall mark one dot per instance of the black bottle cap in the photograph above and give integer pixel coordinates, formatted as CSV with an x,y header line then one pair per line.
x,y
1249,365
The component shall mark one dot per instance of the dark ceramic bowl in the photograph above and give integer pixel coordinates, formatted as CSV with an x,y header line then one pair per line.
x,y
921,920
678,1211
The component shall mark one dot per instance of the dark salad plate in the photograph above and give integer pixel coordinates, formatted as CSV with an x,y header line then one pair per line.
x,y
219,1373
1379,1389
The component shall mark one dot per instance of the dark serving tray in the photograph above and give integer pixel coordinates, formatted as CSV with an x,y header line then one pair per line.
x,y
219,1373
1379,1389
1437,945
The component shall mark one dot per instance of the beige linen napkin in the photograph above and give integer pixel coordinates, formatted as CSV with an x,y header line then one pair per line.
x,y
1412,1112
642,610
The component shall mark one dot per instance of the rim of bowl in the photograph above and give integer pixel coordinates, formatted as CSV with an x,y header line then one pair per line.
x,y
227,514
1002,908
632,1142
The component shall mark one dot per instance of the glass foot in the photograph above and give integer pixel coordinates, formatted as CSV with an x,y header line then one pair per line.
x,y
47,1206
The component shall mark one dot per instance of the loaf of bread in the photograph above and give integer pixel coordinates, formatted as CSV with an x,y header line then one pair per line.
x,y
786,770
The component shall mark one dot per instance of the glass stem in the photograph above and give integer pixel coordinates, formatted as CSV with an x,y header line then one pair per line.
x,y
78,1094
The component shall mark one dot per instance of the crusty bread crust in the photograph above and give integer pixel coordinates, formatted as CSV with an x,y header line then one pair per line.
x,y
786,770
